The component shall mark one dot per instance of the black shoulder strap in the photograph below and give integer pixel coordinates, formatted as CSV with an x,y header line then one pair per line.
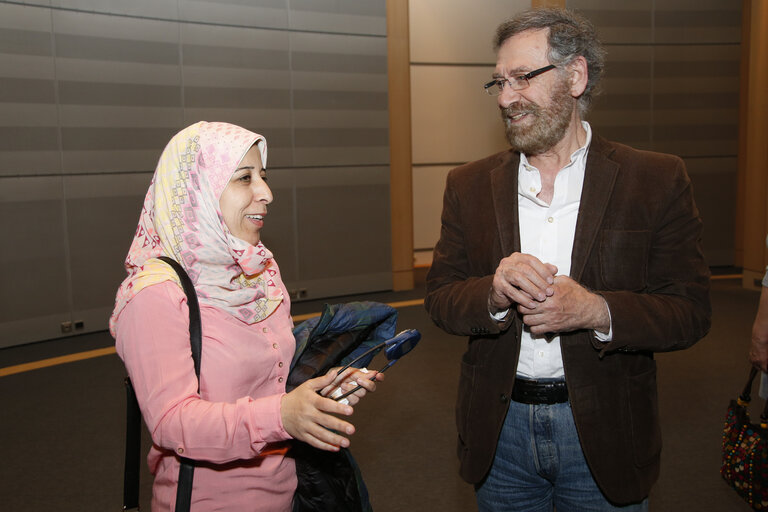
x,y
133,414
132,449
195,331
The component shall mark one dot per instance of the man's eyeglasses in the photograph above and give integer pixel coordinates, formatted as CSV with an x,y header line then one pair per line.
x,y
516,83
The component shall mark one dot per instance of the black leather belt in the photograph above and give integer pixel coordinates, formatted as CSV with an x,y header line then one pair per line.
x,y
539,392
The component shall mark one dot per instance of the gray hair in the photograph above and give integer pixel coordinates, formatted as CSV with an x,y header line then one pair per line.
x,y
570,35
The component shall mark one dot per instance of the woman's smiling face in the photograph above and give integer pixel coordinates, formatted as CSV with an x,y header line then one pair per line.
x,y
244,201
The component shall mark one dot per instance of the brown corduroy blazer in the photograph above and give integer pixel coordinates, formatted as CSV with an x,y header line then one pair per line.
x,y
637,244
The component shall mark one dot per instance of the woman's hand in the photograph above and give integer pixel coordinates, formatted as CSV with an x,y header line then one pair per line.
x,y
349,380
308,417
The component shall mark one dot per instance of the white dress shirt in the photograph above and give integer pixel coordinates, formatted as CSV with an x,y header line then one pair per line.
x,y
547,232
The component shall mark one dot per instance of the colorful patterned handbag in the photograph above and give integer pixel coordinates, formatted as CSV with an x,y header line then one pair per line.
x,y
745,450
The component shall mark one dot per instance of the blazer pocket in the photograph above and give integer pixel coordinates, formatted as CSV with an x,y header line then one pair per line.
x,y
624,259
644,416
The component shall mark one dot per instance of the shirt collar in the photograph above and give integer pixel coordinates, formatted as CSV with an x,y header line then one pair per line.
x,y
579,154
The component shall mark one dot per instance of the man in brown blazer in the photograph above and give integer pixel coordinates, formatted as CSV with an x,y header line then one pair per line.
x,y
568,261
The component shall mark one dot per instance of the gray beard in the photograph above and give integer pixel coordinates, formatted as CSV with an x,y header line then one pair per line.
x,y
549,123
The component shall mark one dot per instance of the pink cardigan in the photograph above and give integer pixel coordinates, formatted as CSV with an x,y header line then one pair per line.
x,y
234,426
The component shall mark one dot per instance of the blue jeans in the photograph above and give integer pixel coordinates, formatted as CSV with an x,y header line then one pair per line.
x,y
539,465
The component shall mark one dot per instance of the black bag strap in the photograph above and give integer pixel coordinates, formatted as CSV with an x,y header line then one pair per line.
x,y
133,413
187,466
132,449
195,331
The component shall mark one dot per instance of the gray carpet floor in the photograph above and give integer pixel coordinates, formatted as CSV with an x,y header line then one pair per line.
x,y
61,428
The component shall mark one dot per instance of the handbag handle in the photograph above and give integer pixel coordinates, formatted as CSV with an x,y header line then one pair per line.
x,y
746,397
133,415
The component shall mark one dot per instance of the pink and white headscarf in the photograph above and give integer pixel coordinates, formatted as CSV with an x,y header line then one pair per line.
x,y
181,219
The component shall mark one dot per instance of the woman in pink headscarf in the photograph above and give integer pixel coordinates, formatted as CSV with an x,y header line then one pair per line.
x,y
205,208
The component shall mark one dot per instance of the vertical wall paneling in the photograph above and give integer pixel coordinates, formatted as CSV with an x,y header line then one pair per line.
x,y
672,85
738,231
401,176
91,91
453,121
755,170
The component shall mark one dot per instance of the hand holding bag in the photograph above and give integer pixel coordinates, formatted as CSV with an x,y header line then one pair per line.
x,y
745,450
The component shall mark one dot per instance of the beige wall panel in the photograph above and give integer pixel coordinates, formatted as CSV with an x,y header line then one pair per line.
x,y
448,31
35,2
114,27
688,117
339,72
113,161
149,8
342,155
685,35
337,22
342,219
623,111
27,114
714,184
453,120
77,188
33,264
117,72
30,330
710,21
628,21
14,163
233,37
600,119
715,85
20,17
698,116
718,60
319,118
338,44
685,141
323,81
124,116
195,76
26,66
428,188
318,178
103,208
273,14
255,119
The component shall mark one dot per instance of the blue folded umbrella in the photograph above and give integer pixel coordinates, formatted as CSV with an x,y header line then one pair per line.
x,y
341,334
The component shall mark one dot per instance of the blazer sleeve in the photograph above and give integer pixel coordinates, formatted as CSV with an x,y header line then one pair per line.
x,y
457,289
672,311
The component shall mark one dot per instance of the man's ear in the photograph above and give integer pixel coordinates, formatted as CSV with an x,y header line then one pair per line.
x,y
579,76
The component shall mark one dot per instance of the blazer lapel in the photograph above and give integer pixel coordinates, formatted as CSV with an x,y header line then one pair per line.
x,y
599,180
504,193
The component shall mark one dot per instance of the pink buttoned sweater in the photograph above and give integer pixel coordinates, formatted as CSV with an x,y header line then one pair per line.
x,y
233,428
